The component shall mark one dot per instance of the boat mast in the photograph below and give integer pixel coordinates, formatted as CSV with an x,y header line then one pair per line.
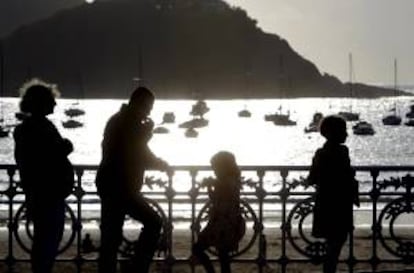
x,y
140,65
1,79
282,80
1,68
395,85
350,80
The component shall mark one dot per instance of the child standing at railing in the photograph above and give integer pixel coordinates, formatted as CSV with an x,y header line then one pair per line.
x,y
225,226
336,190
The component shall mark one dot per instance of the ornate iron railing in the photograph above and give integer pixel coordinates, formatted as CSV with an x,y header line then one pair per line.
x,y
277,205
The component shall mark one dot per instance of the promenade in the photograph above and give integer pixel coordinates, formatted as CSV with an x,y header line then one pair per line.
x,y
277,205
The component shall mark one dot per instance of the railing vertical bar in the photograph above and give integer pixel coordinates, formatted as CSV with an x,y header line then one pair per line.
x,y
11,193
262,246
79,195
170,196
284,196
375,227
194,194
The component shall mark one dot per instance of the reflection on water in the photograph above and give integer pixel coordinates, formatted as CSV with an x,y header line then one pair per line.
x,y
253,140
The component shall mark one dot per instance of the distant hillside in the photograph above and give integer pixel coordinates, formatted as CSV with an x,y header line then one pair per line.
x,y
179,48
14,13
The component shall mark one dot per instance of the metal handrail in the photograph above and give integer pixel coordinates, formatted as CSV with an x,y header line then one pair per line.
x,y
386,197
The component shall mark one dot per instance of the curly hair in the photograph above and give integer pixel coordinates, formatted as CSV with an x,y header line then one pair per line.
x,y
36,97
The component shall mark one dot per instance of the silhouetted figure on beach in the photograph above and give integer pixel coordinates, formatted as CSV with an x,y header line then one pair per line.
x,y
336,190
225,226
125,157
87,244
46,174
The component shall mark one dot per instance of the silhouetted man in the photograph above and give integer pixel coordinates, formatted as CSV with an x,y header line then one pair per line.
x,y
125,156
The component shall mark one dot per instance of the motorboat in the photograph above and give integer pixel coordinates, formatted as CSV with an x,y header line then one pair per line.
x,y
392,120
4,132
280,119
409,122
71,124
283,120
244,113
199,108
161,130
363,128
168,117
349,116
191,133
194,123
74,112
410,114
314,124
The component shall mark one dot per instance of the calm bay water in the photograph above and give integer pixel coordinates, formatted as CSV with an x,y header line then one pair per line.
x,y
253,140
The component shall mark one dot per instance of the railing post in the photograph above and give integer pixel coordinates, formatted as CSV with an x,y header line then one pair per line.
x,y
79,193
193,195
351,258
170,193
261,194
374,194
284,194
11,226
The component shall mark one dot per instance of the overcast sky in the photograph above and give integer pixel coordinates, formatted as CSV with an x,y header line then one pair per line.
x,y
323,31
326,31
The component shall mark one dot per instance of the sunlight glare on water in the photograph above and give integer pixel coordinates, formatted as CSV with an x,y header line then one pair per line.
x,y
253,140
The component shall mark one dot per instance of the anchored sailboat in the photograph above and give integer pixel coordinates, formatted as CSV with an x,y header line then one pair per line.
x,y
279,118
349,115
393,119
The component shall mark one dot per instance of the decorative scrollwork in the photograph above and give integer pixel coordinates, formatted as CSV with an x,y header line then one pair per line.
x,y
395,182
397,245
248,214
23,228
295,183
127,246
151,181
305,243
405,182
